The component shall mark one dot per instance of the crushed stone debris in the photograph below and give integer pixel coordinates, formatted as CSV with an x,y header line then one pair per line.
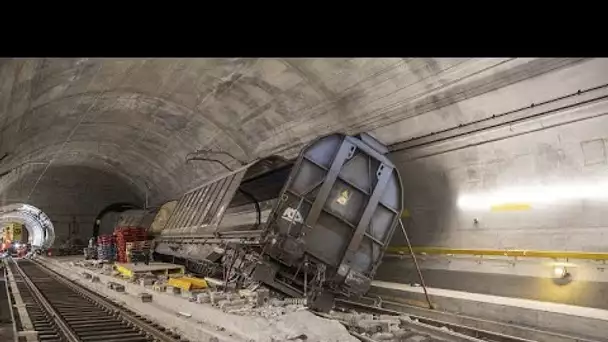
x,y
257,315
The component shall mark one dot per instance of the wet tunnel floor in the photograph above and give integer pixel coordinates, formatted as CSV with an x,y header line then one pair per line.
x,y
6,328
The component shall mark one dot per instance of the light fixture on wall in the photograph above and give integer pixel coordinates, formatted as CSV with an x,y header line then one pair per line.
x,y
534,194
561,275
560,271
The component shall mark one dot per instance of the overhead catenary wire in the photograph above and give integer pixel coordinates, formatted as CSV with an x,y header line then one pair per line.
x,y
4,173
209,160
226,83
412,142
80,121
207,152
204,155
70,135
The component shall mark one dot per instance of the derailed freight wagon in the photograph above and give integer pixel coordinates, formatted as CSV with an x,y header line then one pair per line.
x,y
315,227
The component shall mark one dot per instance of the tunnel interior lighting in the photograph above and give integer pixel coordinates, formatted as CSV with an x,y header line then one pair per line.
x,y
560,271
539,194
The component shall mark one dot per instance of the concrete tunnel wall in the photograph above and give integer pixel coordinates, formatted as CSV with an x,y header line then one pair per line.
x,y
124,127
559,178
71,196
136,119
560,156
540,184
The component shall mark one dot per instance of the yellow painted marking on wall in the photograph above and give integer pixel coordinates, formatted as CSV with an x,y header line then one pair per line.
x,y
511,207
405,213
500,252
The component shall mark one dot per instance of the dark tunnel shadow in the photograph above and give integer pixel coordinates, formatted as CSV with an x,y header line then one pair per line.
x,y
429,203
114,207
73,196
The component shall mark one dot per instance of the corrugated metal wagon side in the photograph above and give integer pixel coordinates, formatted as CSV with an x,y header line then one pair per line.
x,y
334,219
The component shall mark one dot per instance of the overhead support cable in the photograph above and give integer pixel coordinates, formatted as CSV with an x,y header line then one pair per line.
x,y
4,173
207,155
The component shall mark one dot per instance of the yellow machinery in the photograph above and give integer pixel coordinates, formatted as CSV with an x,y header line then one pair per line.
x,y
175,273
17,229
129,270
7,235
6,239
13,232
188,283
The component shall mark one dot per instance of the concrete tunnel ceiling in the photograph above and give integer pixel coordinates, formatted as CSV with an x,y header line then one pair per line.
x,y
123,127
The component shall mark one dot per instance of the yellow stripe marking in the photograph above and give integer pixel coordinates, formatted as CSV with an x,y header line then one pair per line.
x,y
511,207
501,252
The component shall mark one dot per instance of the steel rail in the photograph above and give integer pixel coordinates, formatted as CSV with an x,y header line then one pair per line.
x,y
123,313
79,314
459,321
414,330
461,329
10,304
41,299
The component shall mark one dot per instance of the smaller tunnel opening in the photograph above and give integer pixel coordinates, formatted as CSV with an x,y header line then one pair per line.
x,y
72,196
108,216
40,230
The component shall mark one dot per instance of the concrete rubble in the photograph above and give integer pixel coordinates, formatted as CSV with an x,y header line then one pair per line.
x,y
385,328
211,314
145,297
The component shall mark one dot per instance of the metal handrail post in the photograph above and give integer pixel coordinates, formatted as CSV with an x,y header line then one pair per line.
x,y
409,245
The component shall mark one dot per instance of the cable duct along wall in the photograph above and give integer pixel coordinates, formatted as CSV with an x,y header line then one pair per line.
x,y
37,223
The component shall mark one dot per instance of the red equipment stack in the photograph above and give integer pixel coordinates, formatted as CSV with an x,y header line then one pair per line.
x,y
124,235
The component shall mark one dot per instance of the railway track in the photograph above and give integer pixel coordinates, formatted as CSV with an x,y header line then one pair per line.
x,y
402,330
371,323
391,322
60,310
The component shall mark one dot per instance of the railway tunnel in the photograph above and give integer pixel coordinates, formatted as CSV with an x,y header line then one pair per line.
x,y
502,163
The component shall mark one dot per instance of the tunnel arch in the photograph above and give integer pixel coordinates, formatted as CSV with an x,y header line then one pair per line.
x,y
114,207
37,223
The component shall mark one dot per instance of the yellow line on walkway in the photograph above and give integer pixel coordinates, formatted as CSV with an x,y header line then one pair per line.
x,y
500,252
